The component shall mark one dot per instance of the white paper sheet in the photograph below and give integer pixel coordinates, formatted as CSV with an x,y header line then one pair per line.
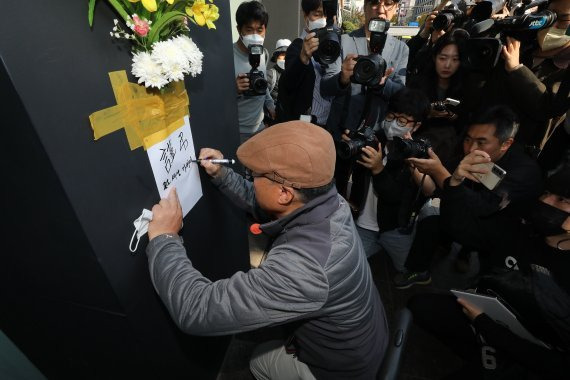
x,y
171,165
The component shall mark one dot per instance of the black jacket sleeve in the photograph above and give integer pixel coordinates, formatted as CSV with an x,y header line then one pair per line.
x,y
550,364
295,70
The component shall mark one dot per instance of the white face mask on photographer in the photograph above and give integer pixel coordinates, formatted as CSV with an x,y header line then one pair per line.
x,y
281,64
552,38
317,24
392,129
252,39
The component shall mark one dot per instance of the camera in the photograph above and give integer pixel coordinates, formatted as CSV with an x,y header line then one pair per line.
x,y
358,140
329,36
493,177
401,149
484,51
257,81
449,15
442,104
371,68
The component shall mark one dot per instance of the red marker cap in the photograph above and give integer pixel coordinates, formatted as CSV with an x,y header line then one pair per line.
x,y
254,229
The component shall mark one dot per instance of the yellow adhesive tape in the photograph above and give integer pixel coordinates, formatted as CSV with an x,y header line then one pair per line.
x,y
141,113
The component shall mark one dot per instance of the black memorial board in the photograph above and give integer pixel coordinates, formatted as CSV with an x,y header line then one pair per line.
x,y
72,296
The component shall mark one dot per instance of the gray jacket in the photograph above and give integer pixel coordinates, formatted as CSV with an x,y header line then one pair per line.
x,y
315,278
346,112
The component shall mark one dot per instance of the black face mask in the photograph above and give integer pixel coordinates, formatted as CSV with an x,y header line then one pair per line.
x,y
547,219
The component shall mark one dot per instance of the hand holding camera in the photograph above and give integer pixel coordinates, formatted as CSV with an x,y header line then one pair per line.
x,y
430,165
347,68
242,83
511,54
310,45
371,158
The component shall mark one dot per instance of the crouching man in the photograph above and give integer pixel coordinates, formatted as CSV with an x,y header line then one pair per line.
x,y
315,278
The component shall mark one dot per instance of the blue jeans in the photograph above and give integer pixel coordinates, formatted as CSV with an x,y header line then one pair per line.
x,y
396,244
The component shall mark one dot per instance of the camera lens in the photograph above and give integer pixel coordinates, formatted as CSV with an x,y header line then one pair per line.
x,y
329,47
369,70
442,21
349,149
259,85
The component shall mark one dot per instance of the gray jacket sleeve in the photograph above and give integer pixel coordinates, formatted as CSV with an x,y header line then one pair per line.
x,y
236,188
288,286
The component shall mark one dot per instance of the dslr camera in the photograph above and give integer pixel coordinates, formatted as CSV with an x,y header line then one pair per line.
x,y
371,68
329,36
257,81
365,136
401,149
449,15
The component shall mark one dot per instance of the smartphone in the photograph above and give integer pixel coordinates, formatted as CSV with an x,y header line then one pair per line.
x,y
491,179
452,102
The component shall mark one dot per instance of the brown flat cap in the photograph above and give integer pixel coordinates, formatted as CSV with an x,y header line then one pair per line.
x,y
296,153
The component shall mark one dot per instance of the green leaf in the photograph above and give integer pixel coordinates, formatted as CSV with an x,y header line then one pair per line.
x,y
90,12
163,22
119,8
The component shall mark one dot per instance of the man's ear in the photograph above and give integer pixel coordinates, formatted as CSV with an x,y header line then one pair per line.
x,y
286,196
507,144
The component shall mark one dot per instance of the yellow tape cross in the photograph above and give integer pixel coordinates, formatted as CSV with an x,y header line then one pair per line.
x,y
141,113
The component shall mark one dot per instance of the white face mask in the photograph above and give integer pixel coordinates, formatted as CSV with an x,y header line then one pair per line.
x,y
281,64
392,129
317,24
552,38
252,39
141,228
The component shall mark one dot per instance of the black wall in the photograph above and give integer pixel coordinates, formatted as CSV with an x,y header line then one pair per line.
x,y
72,297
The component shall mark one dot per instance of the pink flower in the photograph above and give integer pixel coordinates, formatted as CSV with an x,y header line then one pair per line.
x,y
141,26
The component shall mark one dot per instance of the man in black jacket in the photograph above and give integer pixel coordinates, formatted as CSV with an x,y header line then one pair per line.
x,y
542,303
299,84
468,207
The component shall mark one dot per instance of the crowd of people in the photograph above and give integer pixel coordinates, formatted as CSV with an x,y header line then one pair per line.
x,y
442,148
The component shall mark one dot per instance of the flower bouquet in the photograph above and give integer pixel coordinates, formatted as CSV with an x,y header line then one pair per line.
x,y
162,50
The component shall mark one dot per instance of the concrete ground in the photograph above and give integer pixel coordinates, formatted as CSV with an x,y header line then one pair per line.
x,y
424,358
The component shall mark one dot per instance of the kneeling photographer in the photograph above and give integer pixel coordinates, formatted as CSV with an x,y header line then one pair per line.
x,y
377,81
387,193
537,292
494,183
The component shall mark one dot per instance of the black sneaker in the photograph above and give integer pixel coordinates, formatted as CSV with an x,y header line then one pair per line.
x,y
406,280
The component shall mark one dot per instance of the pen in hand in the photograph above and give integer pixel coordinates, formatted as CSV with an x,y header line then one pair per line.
x,y
230,161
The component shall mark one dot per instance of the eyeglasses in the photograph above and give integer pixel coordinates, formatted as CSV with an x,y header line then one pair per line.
x,y
400,120
387,4
274,177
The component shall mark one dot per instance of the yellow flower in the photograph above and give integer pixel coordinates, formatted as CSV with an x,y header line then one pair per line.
x,y
197,11
170,1
150,5
211,15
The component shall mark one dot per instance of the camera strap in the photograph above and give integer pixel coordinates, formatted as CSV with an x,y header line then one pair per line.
x,y
415,209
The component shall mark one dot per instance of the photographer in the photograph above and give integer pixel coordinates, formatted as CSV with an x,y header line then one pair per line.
x,y
386,219
443,80
348,107
538,292
251,19
529,78
467,206
300,84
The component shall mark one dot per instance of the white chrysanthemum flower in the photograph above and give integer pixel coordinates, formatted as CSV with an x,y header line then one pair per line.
x,y
192,53
148,70
172,59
